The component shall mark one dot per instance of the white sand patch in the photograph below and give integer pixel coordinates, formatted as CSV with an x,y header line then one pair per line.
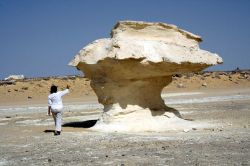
x,y
4,162
24,145
5,119
36,122
180,94
67,107
207,99
186,112
152,125
13,117
143,121
96,107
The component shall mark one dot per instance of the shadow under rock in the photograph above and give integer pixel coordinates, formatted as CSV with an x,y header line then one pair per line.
x,y
83,124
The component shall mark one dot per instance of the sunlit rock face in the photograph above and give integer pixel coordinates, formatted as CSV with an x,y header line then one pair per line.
x,y
129,70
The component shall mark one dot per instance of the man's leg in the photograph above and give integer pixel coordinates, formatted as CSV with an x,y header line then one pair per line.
x,y
54,117
59,121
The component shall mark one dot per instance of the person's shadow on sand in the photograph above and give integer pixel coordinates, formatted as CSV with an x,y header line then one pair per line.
x,y
82,124
49,131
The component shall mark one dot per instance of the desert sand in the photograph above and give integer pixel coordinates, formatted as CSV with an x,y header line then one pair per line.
x,y
218,100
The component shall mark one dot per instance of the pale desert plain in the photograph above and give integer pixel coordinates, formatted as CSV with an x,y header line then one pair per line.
x,y
220,100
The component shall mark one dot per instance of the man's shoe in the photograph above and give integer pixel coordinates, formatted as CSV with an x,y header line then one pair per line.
x,y
57,133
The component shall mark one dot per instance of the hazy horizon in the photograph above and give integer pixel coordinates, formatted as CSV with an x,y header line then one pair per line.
x,y
39,38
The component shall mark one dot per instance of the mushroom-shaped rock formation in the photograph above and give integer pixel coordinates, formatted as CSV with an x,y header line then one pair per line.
x,y
129,70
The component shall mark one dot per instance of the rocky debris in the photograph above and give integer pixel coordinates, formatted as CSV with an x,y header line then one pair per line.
x,y
11,82
189,75
69,77
129,70
207,74
204,84
174,78
180,85
216,75
177,75
25,88
243,76
39,85
186,130
202,75
203,78
14,77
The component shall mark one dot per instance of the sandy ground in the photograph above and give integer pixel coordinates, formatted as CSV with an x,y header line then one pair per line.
x,y
223,101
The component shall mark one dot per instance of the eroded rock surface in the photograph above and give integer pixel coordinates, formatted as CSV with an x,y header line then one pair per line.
x,y
129,70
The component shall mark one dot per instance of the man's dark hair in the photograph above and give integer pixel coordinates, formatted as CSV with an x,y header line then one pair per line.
x,y
53,89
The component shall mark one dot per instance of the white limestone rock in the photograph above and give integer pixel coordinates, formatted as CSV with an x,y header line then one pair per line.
x,y
129,70
152,42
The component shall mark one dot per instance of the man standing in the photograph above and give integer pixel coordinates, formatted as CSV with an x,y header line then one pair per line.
x,y
56,106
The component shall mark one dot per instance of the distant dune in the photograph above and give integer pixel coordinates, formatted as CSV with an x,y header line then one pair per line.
x,y
36,89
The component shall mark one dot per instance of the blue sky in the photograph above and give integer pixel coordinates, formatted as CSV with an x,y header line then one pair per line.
x,y
39,37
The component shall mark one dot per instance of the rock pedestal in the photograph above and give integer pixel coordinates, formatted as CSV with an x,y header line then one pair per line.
x,y
129,70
